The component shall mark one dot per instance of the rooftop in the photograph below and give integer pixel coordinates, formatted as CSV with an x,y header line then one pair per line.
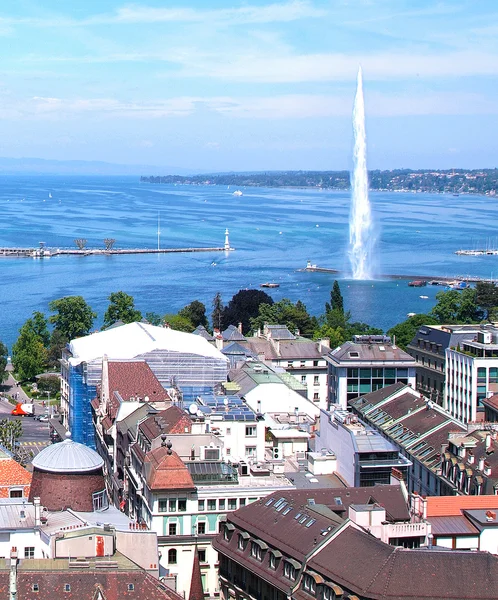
x,y
67,457
351,353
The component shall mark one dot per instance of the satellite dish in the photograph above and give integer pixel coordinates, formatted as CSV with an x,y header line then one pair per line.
x,y
225,401
192,409
146,398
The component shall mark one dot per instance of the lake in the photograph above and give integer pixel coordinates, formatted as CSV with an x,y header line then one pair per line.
x,y
274,233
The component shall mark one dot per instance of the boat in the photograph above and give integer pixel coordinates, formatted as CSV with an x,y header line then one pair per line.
x,y
237,193
269,285
49,195
424,297
417,283
411,314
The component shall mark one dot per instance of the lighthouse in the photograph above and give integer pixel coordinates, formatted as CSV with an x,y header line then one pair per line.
x,y
227,242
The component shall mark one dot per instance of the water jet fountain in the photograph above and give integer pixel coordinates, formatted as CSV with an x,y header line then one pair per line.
x,y
361,238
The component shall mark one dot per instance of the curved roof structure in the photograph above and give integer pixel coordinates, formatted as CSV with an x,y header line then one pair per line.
x,y
135,339
68,457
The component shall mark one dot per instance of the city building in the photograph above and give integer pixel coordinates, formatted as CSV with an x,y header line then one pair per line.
x,y
428,348
363,456
182,362
366,365
417,427
471,375
354,547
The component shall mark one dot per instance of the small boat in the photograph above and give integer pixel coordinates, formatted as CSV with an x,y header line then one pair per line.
x,y
49,195
411,314
269,285
237,193
424,297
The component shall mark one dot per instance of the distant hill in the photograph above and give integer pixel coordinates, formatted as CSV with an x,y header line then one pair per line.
x,y
37,166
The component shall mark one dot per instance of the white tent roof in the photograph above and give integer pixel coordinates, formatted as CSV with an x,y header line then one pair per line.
x,y
68,457
134,339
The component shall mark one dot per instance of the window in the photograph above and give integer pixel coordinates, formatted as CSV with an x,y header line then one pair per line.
x,y
201,527
242,543
315,363
250,451
222,503
303,363
172,505
242,502
228,431
172,529
100,500
232,503
15,493
182,504
290,364
316,396
309,584
131,587
256,551
273,562
202,556
163,506
228,451
36,587
211,504
172,556
67,587
289,571
250,431
303,379
29,552
201,505
316,380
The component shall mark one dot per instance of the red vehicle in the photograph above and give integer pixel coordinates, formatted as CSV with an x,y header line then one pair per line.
x,y
23,410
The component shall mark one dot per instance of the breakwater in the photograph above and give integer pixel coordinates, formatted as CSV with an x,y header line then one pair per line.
x,y
51,252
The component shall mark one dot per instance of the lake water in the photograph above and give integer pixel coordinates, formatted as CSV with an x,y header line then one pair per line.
x,y
274,232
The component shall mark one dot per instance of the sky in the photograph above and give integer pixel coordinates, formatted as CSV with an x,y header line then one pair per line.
x,y
211,85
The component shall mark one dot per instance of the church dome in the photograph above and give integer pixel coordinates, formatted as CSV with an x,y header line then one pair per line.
x,y
68,457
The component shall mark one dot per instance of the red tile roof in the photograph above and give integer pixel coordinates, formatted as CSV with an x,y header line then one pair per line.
x,y
446,506
166,471
11,473
196,590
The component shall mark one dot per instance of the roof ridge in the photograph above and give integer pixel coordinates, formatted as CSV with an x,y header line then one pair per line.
x,y
380,571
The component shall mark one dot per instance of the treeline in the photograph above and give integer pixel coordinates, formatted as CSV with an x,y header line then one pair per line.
x,y
461,181
41,339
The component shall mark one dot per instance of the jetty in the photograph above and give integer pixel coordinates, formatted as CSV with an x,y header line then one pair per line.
x,y
45,252
427,279
478,252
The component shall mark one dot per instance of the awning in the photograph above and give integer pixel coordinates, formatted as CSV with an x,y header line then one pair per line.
x,y
318,578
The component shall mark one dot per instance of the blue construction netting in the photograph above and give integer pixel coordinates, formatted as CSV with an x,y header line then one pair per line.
x,y
80,412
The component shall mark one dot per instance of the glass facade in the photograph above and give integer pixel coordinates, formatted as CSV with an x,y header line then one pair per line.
x,y
365,380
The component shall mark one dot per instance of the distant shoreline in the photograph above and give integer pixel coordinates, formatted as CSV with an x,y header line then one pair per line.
x,y
482,182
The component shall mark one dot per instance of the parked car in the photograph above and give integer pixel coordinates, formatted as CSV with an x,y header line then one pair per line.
x,y
43,418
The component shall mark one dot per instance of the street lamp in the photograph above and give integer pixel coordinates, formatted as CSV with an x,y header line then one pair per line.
x,y
48,404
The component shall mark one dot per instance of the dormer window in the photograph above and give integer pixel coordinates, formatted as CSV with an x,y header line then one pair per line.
x,y
309,584
291,568
331,591
243,537
256,551
228,531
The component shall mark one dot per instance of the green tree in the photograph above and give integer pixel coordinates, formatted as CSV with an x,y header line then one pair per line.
x,y
50,384
405,332
195,312
455,306
243,307
56,346
179,323
74,316
38,324
336,299
29,356
284,312
121,308
4,353
487,298
154,318
10,432
217,314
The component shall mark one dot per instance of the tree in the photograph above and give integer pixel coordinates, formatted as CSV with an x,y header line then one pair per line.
x,y
487,297
195,312
217,314
49,384
336,299
405,332
243,307
10,432
178,323
74,316
284,312
4,353
455,306
38,324
121,308
154,318
56,346
29,357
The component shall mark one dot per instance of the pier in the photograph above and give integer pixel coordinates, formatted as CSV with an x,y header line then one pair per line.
x,y
478,252
45,252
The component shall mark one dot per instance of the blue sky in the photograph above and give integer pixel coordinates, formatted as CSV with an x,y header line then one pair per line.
x,y
231,85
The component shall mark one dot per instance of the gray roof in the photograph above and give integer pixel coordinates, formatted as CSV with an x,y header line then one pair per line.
x,y
203,332
350,354
279,332
232,334
446,336
67,457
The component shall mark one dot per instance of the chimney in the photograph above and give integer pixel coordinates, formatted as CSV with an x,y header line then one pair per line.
x,y
37,505
239,327
470,457
488,441
487,469
13,574
490,515
481,464
423,503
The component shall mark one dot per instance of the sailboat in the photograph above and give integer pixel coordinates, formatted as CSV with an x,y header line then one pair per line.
x,y
49,195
